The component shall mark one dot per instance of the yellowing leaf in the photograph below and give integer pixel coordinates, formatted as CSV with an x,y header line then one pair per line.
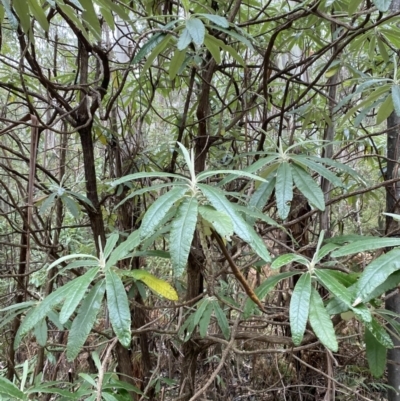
x,y
157,285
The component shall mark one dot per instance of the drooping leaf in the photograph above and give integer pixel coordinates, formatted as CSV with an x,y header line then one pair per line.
x,y
23,15
379,332
391,282
158,210
182,232
40,331
71,205
201,307
221,320
159,286
242,229
376,354
204,322
365,244
260,197
321,323
213,49
308,187
148,47
284,189
377,273
263,290
89,14
110,244
299,308
76,294
118,308
10,389
176,63
385,110
84,321
156,52
37,11
329,281
197,30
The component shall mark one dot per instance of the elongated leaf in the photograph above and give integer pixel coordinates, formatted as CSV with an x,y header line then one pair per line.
x,y
222,320
119,10
40,331
366,244
377,273
84,321
263,290
329,281
184,40
201,307
39,14
197,30
206,174
262,194
376,354
396,98
221,222
110,244
385,110
255,214
287,258
242,229
158,210
216,19
318,168
237,36
40,311
176,63
159,286
155,53
76,294
189,159
308,187
391,282
299,308
321,322
379,332
73,256
118,308
148,47
10,389
182,232
71,205
122,250
213,49
204,322
90,16
23,15
283,189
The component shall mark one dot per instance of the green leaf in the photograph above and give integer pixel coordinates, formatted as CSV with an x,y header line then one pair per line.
x,y
110,244
377,273
391,282
197,30
261,196
76,294
118,9
156,52
329,281
221,320
71,205
201,307
221,222
40,311
10,15
204,322
158,210
40,331
365,244
184,40
213,49
308,187
321,322
385,110
38,13
84,321
376,354
182,232
11,390
379,332
206,174
23,15
263,290
299,308
237,36
216,19
89,14
284,189
122,250
382,5
287,258
148,47
242,229
49,202
159,286
353,6
396,99
176,63
318,168
118,308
